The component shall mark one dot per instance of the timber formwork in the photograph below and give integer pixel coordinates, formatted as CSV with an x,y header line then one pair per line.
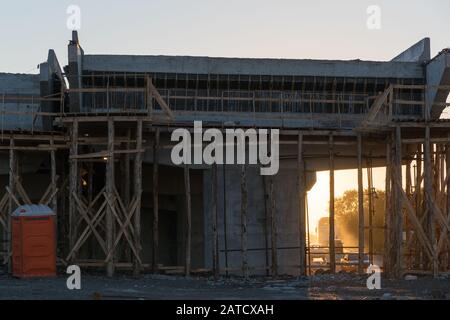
x,y
107,218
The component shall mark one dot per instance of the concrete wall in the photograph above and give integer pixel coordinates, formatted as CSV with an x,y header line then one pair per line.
x,y
285,190
281,67
51,81
19,84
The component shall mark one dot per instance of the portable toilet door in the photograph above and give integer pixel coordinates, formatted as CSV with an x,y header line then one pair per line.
x,y
33,241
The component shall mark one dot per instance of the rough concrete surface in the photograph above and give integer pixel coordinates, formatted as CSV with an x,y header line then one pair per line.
x,y
334,287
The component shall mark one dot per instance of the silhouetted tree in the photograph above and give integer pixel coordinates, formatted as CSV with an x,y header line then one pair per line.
x,y
346,218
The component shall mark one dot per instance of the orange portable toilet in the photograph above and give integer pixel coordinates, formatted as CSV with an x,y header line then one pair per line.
x,y
33,241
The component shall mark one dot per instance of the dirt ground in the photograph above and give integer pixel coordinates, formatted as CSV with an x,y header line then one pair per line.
x,y
339,286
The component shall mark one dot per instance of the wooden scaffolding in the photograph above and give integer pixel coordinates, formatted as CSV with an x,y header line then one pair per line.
x,y
103,188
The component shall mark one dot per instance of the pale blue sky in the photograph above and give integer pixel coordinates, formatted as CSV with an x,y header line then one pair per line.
x,y
316,29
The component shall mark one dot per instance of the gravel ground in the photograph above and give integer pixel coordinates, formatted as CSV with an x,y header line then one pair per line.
x,y
340,287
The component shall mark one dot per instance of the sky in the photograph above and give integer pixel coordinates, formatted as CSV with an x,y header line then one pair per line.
x,y
316,29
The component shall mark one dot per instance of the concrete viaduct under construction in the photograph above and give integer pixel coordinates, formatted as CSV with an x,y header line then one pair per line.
x,y
92,141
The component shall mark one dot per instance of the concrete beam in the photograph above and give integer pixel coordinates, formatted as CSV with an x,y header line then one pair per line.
x,y
438,74
75,55
246,66
419,52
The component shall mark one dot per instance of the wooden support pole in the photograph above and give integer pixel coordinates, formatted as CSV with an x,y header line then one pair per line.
x,y
244,236
54,190
436,171
331,242
110,194
125,188
398,214
90,182
388,211
11,202
53,180
215,251
187,187
360,209
138,194
447,172
224,200
418,204
266,225
126,174
274,229
370,206
428,185
74,186
90,196
155,251
301,181
64,212
408,187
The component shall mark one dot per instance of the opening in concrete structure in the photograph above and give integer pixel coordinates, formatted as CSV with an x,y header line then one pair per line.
x,y
346,220
172,218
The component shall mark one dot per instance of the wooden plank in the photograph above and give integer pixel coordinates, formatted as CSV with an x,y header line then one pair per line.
x,y
378,103
160,100
421,140
418,227
187,186
124,225
103,118
105,154
12,196
332,251
38,149
360,209
83,210
137,180
57,136
155,250
301,181
96,219
104,90
23,194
